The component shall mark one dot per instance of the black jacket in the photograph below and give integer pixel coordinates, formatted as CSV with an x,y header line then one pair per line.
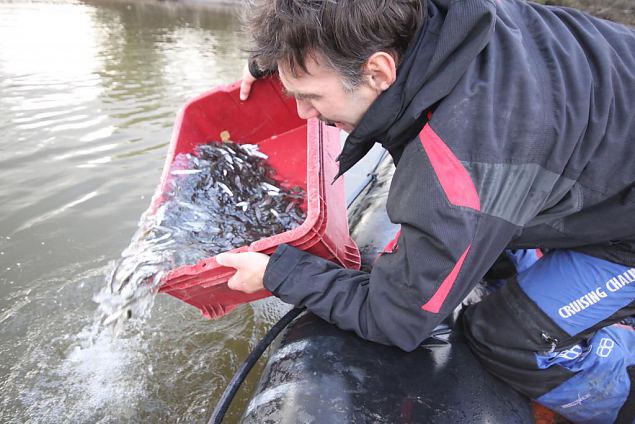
x,y
512,125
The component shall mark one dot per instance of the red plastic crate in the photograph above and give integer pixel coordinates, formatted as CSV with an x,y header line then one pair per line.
x,y
302,153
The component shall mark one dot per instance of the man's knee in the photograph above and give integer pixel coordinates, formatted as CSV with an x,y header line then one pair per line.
x,y
505,331
521,345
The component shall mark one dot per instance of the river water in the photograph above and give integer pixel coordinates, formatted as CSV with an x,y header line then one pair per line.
x,y
88,96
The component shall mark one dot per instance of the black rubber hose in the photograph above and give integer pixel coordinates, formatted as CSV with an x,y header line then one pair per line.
x,y
247,365
241,373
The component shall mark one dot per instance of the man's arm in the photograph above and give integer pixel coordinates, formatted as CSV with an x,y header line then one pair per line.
x,y
409,291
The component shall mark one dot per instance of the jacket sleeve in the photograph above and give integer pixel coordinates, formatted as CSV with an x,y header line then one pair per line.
x,y
445,245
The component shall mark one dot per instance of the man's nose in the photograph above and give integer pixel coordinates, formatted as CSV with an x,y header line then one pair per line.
x,y
305,110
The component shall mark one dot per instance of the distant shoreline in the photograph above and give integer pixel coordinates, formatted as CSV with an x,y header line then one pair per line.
x,y
220,5
622,11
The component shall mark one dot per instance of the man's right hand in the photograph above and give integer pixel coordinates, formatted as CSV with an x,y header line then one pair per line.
x,y
245,84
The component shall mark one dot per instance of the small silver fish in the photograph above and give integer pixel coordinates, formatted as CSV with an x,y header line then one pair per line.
x,y
185,171
226,189
270,187
258,154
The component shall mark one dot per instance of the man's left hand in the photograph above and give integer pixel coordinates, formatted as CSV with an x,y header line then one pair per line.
x,y
250,270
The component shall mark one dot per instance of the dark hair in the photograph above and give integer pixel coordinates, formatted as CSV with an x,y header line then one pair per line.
x,y
345,32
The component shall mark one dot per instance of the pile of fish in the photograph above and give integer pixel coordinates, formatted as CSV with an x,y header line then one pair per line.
x,y
222,197
226,197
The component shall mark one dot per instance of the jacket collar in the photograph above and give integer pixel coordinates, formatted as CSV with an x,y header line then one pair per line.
x,y
454,33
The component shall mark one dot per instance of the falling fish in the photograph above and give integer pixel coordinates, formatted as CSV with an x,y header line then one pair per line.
x,y
270,187
185,171
225,199
260,155
226,189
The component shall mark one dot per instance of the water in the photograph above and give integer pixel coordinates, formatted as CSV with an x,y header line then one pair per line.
x,y
88,95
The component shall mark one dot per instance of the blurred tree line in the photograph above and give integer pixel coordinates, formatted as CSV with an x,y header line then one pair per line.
x,y
622,11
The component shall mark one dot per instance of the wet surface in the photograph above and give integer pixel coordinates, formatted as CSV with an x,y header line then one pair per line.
x,y
323,374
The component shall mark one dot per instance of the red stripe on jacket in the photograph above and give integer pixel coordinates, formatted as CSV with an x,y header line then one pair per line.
x,y
392,244
454,178
460,191
436,301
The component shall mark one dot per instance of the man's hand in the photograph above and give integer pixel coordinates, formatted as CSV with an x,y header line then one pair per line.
x,y
246,83
250,270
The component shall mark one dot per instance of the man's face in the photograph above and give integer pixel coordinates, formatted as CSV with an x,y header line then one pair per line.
x,y
319,93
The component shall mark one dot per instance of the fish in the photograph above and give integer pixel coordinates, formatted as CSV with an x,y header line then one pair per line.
x,y
185,171
226,189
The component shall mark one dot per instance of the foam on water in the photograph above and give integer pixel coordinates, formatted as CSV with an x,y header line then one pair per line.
x,y
269,310
103,370
87,377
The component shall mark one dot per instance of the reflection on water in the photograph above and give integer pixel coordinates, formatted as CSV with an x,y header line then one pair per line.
x,y
88,95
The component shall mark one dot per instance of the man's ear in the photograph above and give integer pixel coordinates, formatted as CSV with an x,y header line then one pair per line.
x,y
381,71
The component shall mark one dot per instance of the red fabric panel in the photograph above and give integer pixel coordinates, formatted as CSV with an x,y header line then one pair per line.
x,y
434,304
454,178
392,244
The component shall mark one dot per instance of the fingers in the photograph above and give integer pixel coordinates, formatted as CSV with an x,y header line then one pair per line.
x,y
227,259
250,270
235,283
246,83
245,89
246,260
245,282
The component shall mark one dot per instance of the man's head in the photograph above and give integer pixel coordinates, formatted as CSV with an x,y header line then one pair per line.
x,y
334,56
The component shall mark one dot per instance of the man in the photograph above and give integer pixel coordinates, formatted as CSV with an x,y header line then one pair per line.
x,y
512,126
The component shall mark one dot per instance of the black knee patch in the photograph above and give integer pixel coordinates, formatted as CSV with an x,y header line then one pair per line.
x,y
506,330
627,412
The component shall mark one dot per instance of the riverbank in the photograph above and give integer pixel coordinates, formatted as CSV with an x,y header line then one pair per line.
x,y
622,11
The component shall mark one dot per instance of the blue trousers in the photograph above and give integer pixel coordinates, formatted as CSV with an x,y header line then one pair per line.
x,y
554,332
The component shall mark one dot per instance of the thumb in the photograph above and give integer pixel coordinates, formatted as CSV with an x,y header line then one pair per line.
x,y
227,259
245,89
